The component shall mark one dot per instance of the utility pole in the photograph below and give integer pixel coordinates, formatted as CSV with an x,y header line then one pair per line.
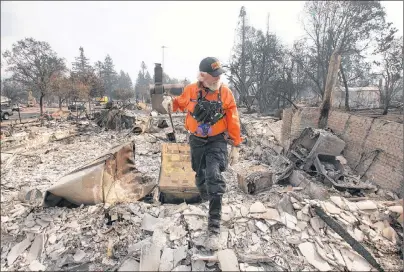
x,y
268,24
242,15
162,63
243,72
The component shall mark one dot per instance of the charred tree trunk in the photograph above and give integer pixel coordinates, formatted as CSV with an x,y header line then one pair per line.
x,y
333,68
386,105
346,88
41,103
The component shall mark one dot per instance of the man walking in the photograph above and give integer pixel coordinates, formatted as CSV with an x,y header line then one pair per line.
x,y
212,120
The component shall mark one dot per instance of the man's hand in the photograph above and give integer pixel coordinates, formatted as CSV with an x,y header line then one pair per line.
x,y
167,103
234,155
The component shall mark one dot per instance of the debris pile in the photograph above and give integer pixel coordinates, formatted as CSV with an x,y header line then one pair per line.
x,y
275,227
318,152
166,237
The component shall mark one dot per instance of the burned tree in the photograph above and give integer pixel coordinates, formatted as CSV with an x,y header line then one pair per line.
x,y
347,25
354,71
239,64
260,69
390,47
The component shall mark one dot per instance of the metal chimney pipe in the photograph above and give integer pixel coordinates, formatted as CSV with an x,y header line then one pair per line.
x,y
158,74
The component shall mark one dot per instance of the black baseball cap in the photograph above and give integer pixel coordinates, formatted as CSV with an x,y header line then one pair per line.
x,y
211,66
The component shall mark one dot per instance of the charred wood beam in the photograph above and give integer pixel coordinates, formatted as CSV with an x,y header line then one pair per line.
x,y
348,238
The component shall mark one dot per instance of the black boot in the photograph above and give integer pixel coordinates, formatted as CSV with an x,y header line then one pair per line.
x,y
215,210
215,213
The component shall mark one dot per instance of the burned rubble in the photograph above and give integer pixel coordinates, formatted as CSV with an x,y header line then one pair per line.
x,y
270,217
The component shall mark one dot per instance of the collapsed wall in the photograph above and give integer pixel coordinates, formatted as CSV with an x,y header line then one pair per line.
x,y
374,147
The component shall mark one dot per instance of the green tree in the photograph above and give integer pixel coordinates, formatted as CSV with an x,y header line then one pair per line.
x,y
81,67
142,83
109,75
140,86
124,89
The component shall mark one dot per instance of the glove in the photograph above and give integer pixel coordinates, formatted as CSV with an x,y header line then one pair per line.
x,y
234,155
167,103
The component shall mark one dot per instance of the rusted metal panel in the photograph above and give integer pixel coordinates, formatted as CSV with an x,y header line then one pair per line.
x,y
254,179
177,179
83,186
110,178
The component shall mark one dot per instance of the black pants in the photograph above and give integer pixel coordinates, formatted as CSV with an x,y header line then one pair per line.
x,y
209,160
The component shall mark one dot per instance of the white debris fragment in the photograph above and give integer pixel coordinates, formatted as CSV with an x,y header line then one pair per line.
x,y
348,217
366,205
36,248
397,209
179,254
130,265
181,268
302,216
79,255
228,260
52,238
149,222
198,265
17,250
331,208
354,262
358,234
177,232
293,240
150,258
167,260
309,251
244,211
261,226
257,207
338,256
316,223
35,265
269,214
337,200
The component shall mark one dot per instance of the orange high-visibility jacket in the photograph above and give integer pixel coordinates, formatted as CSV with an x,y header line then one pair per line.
x,y
230,122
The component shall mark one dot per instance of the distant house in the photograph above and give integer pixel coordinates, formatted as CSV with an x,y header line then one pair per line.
x,y
359,97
